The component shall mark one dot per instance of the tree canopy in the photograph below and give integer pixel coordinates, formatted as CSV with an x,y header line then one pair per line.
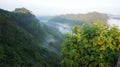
x,y
95,45
21,38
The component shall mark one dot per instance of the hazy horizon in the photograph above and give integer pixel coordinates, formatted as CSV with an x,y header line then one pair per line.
x,y
57,7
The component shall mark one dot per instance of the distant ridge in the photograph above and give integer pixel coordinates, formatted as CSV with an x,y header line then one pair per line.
x,y
89,17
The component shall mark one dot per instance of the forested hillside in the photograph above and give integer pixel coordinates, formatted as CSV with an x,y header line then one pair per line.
x,y
86,18
27,42
21,37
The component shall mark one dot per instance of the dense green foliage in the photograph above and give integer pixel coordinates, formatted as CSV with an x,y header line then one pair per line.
x,y
20,42
95,45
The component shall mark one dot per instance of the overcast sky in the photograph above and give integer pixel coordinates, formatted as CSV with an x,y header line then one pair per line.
x,y
56,7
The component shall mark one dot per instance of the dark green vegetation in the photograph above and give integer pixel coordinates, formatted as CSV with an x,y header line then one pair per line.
x,y
21,37
53,38
95,45
26,42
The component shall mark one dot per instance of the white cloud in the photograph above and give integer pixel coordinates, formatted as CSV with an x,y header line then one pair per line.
x,y
114,22
53,7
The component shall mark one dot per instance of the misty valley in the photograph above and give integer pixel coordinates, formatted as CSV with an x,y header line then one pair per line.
x,y
66,40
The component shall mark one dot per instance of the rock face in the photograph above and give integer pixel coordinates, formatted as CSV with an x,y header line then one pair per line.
x,y
22,10
118,62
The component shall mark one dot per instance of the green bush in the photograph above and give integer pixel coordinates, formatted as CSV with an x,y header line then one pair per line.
x,y
95,45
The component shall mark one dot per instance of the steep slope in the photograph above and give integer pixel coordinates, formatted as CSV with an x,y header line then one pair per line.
x,y
32,25
20,41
